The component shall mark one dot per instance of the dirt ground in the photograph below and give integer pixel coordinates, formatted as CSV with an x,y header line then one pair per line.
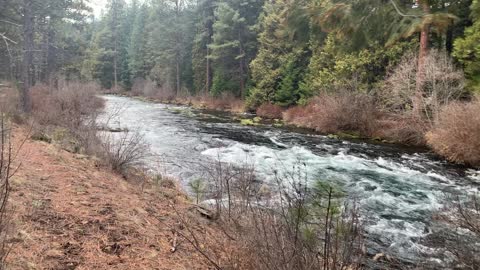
x,y
70,214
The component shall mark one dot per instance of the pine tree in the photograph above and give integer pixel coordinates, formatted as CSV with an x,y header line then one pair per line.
x,y
274,67
201,62
467,49
234,44
136,50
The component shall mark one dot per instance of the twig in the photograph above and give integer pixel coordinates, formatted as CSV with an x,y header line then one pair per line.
x,y
5,38
174,243
12,23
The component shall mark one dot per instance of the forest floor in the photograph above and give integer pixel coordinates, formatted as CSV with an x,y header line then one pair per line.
x,y
68,213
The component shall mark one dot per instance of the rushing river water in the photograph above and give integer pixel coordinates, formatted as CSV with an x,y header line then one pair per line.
x,y
398,188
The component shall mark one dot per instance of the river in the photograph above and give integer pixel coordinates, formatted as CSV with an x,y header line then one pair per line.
x,y
398,188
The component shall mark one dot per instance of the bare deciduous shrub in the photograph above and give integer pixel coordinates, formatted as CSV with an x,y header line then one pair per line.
x,y
269,110
405,129
6,172
138,86
150,89
68,112
456,134
9,103
225,102
444,82
122,151
66,105
338,112
290,226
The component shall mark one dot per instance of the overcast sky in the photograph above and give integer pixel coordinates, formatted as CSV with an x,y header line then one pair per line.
x,y
97,6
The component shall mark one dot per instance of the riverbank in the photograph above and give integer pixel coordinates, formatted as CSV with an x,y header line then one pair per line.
x,y
267,114
70,213
357,117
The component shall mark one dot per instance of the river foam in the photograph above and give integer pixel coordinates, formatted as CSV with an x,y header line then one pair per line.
x,y
396,197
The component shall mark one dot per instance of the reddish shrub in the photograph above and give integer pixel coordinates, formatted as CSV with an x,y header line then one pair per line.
x,y
340,112
65,106
268,110
149,89
403,129
456,134
226,102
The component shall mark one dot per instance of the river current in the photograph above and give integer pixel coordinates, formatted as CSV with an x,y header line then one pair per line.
x,y
398,188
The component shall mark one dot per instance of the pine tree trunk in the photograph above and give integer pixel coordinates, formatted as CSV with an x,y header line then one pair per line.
x,y
420,82
177,47
51,52
449,40
28,26
115,45
242,67
177,75
207,78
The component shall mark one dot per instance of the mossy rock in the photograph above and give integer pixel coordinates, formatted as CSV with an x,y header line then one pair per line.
x,y
257,119
248,122
187,113
278,123
333,136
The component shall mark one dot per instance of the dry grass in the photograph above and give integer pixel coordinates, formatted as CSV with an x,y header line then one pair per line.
x,y
226,102
456,134
270,111
71,214
339,112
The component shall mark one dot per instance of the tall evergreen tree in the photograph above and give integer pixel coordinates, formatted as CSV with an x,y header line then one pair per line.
x,y
136,50
467,49
201,62
275,70
234,44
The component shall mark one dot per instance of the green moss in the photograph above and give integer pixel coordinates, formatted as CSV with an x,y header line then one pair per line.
x,y
333,136
248,122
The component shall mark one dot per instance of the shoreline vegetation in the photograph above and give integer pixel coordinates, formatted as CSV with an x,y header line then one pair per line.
x,y
392,129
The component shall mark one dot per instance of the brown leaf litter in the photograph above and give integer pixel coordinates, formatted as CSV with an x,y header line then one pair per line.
x,y
70,214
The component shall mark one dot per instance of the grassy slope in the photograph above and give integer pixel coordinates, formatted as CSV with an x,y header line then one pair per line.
x,y
70,214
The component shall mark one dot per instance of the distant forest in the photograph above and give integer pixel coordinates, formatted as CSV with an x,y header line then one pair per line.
x,y
281,52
